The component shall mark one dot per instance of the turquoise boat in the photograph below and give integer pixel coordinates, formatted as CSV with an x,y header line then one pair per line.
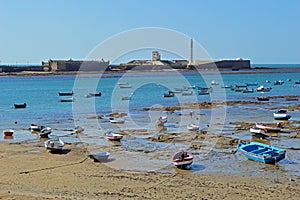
x,y
262,152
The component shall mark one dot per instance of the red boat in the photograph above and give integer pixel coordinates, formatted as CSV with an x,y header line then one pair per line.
x,y
9,132
182,159
113,136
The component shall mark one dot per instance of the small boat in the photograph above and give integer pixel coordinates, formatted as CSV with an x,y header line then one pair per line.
x,y
213,82
280,82
202,89
66,93
268,128
126,98
113,136
8,132
263,99
205,91
125,86
246,90
193,127
22,105
34,127
262,152
258,132
93,95
45,132
169,94
55,144
182,159
187,93
100,157
116,120
162,120
263,89
123,83
67,100
226,86
281,115
297,82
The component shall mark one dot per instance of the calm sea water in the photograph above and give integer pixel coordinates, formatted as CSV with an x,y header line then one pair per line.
x,y
41,93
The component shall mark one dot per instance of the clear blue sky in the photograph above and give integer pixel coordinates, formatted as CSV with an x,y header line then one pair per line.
x,y
265,31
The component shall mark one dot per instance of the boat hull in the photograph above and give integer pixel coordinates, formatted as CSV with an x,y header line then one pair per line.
x,y
114,136
287,117
54,145
65,93
261,152
23,105
267,128
100,157
182,161
8,132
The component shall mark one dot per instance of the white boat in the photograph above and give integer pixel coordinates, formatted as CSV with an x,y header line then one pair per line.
x,y
281,115
268,128
214,82
55,144
113,136
116,120
263,89
162,120
256,130
193,127
100,157
125,86
37,128
45,132
280,82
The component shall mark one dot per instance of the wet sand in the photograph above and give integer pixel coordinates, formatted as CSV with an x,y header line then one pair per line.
x,y
28,171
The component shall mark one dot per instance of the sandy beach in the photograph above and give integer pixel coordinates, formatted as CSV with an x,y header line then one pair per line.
x,y
28,171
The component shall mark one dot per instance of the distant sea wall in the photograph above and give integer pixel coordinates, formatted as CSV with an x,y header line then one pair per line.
x,y
56,66
223,64
17,68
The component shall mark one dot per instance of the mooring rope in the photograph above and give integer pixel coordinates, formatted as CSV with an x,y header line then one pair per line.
x,y
53,167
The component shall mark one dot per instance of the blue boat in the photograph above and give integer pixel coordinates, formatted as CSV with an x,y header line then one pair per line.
x,y
262,152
